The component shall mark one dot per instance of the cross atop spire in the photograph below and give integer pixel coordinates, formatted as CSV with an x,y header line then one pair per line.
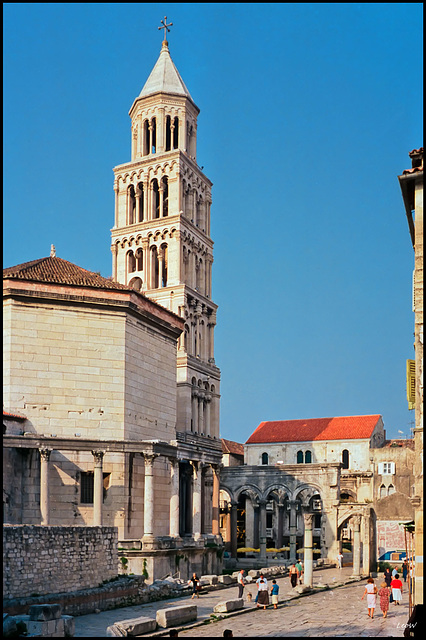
x,y
165,27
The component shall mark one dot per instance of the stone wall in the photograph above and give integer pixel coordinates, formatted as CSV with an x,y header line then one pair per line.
x,y
41,560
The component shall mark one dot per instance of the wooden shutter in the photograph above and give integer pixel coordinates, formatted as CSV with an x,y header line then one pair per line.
x,y
411,383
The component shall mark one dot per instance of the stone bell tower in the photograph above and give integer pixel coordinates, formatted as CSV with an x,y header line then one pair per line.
x,y
161,242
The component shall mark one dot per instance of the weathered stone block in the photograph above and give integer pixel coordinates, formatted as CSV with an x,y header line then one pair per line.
x,y
137,626
254,573
226,579
210,579
114,631
69,626
229,605
44,612
174,616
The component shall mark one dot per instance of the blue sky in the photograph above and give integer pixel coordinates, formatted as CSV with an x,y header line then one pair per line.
x,y
308,112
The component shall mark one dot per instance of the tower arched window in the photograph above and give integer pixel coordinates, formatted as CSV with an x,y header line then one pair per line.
x,y
176,133
345,458
131,262
383,491
391,489
146,137
299,457
140,194
265,458
155,199
139,259
308,457
165,185
154,268
131,216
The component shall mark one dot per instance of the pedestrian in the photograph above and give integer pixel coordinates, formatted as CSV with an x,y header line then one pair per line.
x,y
228,633
241,582
394,571
387,576
384,593
263,598
370,592
340,560
396,586
261,577
274,594
196,586
294,574
405,570
299,567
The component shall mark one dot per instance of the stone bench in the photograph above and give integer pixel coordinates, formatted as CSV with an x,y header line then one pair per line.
x,y
229,605
132,627
46,620
174,616
225,579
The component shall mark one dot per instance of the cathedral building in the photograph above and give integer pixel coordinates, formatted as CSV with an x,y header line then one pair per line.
x,y
111,403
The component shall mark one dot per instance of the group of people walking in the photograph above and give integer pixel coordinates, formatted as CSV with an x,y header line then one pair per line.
x,y
263,592
390,591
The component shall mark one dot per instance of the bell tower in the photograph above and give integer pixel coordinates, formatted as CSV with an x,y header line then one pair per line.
x,y
161,242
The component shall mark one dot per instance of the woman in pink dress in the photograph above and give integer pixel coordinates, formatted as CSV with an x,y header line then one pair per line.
x,y
384,593
370,592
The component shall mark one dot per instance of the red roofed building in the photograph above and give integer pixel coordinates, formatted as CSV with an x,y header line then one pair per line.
x,y
345,439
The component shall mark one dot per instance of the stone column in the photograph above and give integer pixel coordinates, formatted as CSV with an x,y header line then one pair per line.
x,y
195,412
114,251
161,192
234,538
255,526
146,199
174,498
356,547
216,494
148,516
293,527
116,205
280,526
98,488
262,536
207,415
196,500
308,556
160,267
201,413
44,485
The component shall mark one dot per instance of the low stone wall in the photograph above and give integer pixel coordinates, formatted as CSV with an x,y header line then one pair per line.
x,y
39,560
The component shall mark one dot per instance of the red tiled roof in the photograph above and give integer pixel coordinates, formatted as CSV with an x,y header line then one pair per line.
x,y
345,428
58,271
14,416
235,448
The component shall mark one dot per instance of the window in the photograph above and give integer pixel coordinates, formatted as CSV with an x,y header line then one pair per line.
x,y
308,457
386,468
391,489
345,458
383,492
87,486
300,457
265,458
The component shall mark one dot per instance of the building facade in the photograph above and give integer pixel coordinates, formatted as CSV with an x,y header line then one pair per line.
x,y
411,183
111,387
338,476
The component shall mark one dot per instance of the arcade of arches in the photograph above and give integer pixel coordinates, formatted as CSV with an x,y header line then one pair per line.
x,y
296,510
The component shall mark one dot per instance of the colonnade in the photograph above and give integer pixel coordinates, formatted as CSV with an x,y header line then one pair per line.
x,y
175,525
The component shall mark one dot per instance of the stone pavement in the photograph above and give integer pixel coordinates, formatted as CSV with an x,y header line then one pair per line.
x,y
335,612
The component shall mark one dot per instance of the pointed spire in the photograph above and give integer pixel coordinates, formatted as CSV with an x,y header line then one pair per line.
x,y
165,77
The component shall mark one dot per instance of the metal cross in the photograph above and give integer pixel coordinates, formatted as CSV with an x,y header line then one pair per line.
x,y
165,27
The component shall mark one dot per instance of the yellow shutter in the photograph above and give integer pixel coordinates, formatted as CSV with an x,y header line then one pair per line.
x,y
411,383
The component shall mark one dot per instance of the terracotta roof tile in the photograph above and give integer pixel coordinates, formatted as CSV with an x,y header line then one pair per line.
x,y
14,416
345,428
235,448
58,271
